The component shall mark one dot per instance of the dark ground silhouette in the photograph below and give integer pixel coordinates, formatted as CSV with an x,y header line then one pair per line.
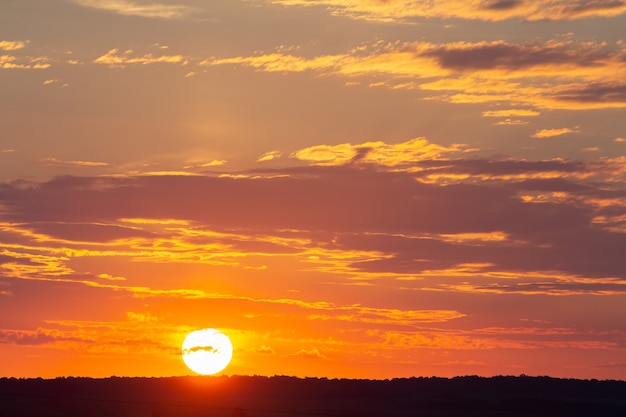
x,y
255,396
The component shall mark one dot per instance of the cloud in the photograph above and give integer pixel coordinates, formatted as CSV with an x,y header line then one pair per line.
x,y
375,211
545,286
20,62
464,56
267,350
557,73
375,152
502,4
511,112
512,122
279,62
32,337
139,8
490,10
313,353
3,292
12,62
75,164
114,58
594,93
269,156
549,133
13,45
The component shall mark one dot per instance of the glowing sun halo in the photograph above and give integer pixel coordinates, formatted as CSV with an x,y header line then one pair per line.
x,y
207,351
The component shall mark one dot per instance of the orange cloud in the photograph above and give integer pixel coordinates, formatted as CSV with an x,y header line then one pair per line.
x,y
511,122
12,62
558,73
375,152
269,156
12,45
114,58
491,10
266,350
549,133
310,353
59,162
511,112
132,8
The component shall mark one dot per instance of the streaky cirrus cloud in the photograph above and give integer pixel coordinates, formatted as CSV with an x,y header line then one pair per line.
x,y
557,73
139,8
115,58
549,133
66,163
488,10
511,112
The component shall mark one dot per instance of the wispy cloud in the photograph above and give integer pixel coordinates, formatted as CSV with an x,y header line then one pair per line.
x,y
511,112
558,73
76,164
491,10
139,8
313,353
511,122
33,337
269,156
114,58
549,133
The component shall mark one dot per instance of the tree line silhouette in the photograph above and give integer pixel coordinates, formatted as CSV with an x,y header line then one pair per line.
x,y
257,396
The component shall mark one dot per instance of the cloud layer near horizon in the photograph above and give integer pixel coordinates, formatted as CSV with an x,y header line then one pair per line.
x,y
530,219
434,224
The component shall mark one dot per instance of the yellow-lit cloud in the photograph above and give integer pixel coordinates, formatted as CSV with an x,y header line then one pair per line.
x,y
115,58
490,10
557,73
375,152
549,133
12,62
269,156
141,9
512,122
12,45
511,112
59,162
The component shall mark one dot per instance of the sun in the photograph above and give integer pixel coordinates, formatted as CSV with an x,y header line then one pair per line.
x,y
207,351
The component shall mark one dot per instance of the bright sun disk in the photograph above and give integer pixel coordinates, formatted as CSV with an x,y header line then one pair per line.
x,y
207,351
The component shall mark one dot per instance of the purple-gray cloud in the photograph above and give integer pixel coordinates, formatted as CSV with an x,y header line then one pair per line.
x,y
511,56
33,338
359,207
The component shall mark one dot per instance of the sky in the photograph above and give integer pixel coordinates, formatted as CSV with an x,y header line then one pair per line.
x,y
347,189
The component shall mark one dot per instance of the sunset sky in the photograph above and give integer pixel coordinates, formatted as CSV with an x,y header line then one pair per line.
x,y
358,189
